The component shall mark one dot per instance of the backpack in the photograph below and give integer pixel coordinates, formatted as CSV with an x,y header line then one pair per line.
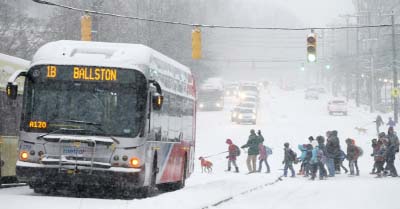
x,y
292,155
320,155
360,151
269,150
237,150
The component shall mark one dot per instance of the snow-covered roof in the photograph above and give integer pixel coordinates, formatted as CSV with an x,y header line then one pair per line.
x,y
90,53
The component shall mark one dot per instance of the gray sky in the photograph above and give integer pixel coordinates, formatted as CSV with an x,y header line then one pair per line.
x,y
317,12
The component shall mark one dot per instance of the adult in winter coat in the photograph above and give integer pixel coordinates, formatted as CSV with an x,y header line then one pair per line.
x,y
232,154
288,160
333,153
378,122
263,157
352,156
392,148
317,162
260,136
393,139
252,143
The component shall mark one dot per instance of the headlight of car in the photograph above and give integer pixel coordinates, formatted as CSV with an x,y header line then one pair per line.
x,y
240,116
234,115
253,116
218,104
201,105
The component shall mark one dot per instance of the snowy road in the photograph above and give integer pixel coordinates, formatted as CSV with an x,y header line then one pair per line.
x,y
284,116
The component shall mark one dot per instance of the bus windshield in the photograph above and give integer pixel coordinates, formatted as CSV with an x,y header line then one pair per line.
x,y
115,101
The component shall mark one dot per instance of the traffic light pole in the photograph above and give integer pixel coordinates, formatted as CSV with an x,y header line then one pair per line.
x,y
395,81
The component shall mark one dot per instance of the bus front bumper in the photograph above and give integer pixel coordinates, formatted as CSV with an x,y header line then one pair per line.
x,y
38,174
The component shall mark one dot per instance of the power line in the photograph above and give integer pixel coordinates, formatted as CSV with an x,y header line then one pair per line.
x,y
206,25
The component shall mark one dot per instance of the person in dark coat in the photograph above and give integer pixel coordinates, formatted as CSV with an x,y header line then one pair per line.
x,y
332,153
252,143
232,154
260,137
352,156
391,150
288,159
378,122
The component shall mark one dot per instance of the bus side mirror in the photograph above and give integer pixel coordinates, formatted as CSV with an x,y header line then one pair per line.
x,y
157,102
12,91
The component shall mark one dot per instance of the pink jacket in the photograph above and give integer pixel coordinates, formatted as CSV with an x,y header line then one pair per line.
x,y
263,152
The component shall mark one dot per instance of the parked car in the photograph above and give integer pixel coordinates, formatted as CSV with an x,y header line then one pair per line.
x,y
311,93
337,106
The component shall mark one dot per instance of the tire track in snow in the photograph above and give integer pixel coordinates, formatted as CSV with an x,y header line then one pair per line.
x,y
244,193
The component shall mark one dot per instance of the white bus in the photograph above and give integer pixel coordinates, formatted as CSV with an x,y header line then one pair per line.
x,y
119,116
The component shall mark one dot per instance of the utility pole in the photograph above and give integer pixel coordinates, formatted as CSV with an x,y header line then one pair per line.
x,y
358,58
347,79
357,66
395,82
372,80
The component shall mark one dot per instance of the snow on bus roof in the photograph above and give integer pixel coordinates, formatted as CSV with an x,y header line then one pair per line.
x,y
66,52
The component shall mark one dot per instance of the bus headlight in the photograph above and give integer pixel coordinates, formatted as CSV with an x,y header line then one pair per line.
x,y
234,115
218,104
253,116
201,105
23,155
240,116
134,162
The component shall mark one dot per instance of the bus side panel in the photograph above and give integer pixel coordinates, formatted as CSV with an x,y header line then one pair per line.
x,y
173,169
8,151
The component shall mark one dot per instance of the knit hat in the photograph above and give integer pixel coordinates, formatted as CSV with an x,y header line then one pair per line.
x,y
228,141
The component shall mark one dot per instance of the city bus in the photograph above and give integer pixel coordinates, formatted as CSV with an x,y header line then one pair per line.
x,y
110,115
10,111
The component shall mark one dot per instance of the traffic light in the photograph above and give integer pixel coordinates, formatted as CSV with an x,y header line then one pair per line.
x,y
312,47
86,28
196,43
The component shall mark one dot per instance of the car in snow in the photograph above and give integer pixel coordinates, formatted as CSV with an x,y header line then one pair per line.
x,y
248,105
250,99
311,93
234,113
337,106
246,115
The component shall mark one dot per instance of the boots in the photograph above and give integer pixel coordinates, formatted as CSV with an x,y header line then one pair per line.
x,y
229,169
236,169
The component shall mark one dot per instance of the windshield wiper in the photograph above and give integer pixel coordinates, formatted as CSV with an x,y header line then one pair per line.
x,y
58,130
96,125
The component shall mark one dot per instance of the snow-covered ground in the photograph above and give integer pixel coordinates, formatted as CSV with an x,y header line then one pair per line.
x,y
283,117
